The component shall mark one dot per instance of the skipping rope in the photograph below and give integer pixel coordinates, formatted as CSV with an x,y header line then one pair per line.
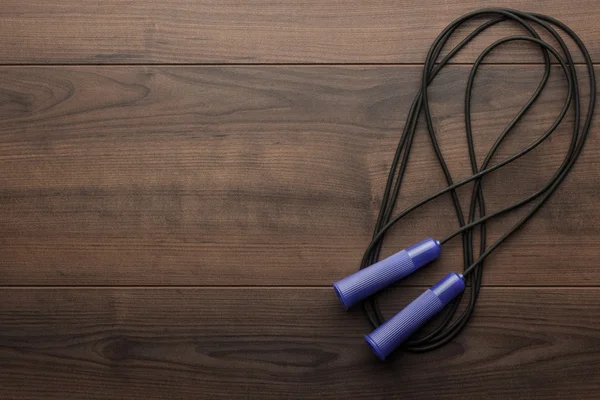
x,y
448,293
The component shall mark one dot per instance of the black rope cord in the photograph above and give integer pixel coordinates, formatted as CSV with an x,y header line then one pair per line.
x,y
450,326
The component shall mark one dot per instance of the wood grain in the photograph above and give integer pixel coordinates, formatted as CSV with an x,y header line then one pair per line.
x,y
232,31
286,343
170,231
265,175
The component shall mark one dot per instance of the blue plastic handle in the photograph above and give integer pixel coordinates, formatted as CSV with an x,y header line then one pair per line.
x,y
401,326
372,279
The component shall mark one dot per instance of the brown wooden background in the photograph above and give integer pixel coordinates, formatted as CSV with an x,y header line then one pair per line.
x,y
181,181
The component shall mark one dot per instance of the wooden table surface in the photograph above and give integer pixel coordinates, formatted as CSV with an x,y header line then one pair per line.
x,y
181,181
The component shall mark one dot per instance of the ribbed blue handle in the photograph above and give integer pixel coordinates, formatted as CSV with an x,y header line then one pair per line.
x,y
401,326
372,279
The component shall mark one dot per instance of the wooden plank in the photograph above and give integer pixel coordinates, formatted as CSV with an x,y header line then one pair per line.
x,y
265,175
230,31
286,343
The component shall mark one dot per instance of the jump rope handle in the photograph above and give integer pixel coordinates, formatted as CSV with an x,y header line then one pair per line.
x,y
401,326
367,281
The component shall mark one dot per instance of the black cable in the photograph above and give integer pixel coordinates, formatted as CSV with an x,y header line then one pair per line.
x,y
450,326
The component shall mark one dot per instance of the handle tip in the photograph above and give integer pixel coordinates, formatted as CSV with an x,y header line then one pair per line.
x,y
378,352
340,294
